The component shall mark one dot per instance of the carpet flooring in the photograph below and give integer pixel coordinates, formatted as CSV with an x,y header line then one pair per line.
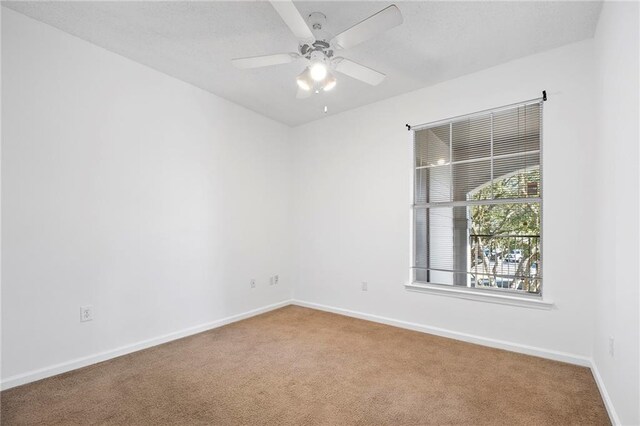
x,y
298,366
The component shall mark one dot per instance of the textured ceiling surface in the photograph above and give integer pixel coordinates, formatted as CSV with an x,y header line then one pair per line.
x,y
195,41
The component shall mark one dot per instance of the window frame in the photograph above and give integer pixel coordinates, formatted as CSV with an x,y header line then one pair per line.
x,y
493,295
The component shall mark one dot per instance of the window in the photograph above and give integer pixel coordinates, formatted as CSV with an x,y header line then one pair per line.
x,y
477,210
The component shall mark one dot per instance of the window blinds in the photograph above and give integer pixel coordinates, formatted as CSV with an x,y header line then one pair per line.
x,y
487,158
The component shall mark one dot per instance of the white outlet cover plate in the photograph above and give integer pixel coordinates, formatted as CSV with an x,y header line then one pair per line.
x,y
86,313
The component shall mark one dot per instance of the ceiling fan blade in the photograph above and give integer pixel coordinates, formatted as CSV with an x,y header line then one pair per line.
x,y
384,20
303,94
290,15
264,61
359,72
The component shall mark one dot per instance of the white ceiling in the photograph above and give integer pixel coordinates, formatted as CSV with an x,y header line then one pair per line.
x,y
195,41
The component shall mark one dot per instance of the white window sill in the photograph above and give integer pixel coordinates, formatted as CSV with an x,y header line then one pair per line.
x,y
482,295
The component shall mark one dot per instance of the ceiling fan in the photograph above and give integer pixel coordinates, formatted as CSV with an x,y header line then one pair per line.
x,y
318,48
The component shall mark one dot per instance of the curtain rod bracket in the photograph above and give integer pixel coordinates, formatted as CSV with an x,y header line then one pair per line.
x,y
408,127
544,95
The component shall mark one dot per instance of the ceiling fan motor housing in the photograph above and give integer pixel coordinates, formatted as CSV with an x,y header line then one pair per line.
x,y
321,46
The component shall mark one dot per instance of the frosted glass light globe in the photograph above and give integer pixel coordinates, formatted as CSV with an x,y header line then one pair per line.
x,y
318,71
304,80
329,82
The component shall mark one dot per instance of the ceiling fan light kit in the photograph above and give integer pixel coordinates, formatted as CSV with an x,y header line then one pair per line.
x,y
307,82
317,47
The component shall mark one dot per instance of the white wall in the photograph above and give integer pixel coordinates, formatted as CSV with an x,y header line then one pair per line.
x,y
124,188
353,191
617,284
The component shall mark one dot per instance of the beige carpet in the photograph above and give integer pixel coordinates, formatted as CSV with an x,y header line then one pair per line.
x,y
298,366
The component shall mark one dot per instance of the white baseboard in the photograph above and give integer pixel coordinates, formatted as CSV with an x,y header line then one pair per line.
x,y
484,341
613,416
53,370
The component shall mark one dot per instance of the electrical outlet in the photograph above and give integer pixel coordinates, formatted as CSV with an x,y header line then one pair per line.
x,y
365,286
276,278
252,283
611,346
86,313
